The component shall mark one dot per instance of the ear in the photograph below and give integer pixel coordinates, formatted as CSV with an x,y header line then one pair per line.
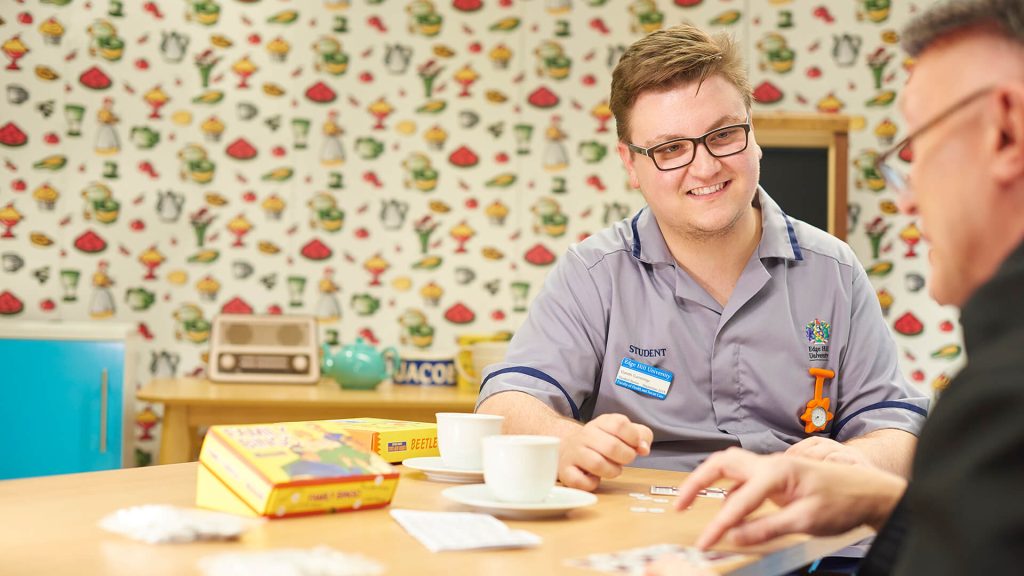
x,y
1008,159
627,160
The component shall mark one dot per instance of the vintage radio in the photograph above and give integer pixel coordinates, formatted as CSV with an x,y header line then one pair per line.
x,y
273,349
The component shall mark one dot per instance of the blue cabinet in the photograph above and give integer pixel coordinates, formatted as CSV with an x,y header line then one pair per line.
x,y
65,401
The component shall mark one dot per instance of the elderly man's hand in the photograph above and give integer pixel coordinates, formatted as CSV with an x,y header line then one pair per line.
x,y
828,450
600,449
818,498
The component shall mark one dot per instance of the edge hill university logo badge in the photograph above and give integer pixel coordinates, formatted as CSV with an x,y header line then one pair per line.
x,y
818,334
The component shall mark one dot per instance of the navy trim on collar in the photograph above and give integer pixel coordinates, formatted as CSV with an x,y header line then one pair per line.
x,y
636,235
538,375
792,238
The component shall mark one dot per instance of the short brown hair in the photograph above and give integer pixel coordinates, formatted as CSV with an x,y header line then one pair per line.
x,y
668,58
952,16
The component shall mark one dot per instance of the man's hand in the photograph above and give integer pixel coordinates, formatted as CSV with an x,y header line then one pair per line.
x,y
600,449
828,450
817,498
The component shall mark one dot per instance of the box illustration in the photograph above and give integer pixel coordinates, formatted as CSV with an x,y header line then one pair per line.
x,y
394,440
291,469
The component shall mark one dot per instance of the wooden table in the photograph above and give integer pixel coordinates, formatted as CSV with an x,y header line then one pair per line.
x,y
192,402
50,527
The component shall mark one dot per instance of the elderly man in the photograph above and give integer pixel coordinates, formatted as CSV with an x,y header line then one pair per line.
x,y
961,513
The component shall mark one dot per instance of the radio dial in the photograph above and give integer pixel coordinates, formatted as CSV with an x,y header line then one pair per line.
x,y
228,362
300,363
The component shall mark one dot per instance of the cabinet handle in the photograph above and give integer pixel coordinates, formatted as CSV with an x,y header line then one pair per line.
x,y
103,412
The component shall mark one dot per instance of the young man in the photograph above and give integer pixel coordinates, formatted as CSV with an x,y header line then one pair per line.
x,y
961,513
701,322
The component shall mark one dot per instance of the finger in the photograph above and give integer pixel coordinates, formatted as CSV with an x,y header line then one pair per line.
x,y
739,504
818,450
844,457
803,446
727,464
646,439
609,445
628,432
596,463
798,517
574,477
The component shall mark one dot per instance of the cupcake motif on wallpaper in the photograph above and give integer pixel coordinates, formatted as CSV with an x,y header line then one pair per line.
x,y
46,197
886,132
273,207
500,56
212,128
431,293
278,49
208,287
52,31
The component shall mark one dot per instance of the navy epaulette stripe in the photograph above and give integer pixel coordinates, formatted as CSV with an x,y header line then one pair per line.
x,y
878,406
636,235
538,375
797,253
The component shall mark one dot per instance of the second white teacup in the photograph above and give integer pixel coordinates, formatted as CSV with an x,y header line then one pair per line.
x,y
459,437
520,468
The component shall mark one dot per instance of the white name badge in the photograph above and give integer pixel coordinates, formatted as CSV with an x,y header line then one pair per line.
x,y
643,378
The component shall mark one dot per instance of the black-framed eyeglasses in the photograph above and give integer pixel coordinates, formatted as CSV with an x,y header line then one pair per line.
x,y
680,152
896,176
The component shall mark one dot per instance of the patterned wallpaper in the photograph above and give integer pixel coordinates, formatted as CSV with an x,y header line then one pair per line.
x,y
406,170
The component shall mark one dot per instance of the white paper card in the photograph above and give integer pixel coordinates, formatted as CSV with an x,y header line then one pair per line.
x,y
441,531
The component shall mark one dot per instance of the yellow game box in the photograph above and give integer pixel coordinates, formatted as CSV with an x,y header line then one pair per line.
x,y
394,440
291,469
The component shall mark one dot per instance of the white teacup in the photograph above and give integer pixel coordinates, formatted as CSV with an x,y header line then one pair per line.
x,y
520,468
459,437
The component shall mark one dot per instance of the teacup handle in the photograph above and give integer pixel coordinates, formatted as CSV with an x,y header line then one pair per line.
x,y
461,359
393,364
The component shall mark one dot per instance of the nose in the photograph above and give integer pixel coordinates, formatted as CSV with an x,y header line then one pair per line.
x,y
906,203
704,165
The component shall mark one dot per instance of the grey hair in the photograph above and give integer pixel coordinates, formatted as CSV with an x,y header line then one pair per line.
x,y
952,16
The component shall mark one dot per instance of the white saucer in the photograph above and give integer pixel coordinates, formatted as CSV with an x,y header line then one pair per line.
x,y
560,501
435,470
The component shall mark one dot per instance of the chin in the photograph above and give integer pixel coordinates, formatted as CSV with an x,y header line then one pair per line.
x,y
945,293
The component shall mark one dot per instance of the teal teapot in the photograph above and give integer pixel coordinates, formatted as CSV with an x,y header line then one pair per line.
x,y
359,366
